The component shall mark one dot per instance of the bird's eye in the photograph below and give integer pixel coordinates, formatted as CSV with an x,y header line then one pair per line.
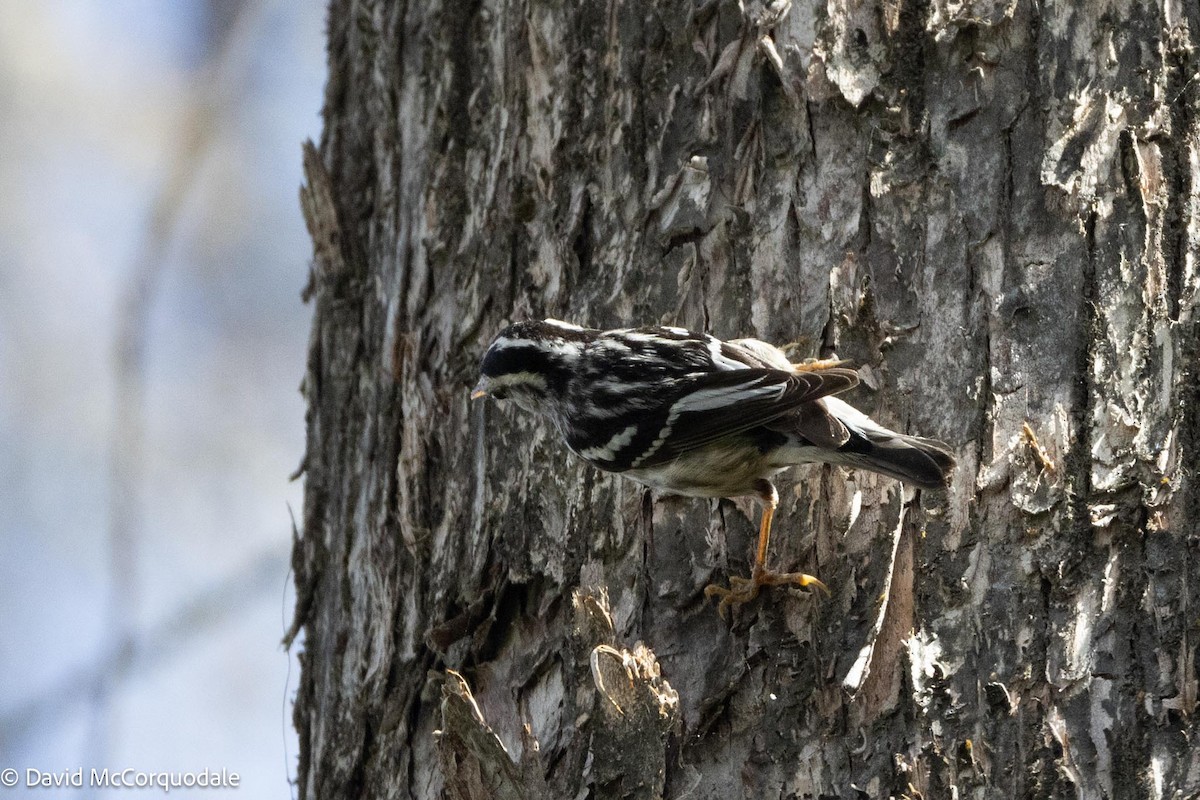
x,y
500,394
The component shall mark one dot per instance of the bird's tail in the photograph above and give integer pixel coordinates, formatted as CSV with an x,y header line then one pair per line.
x,y
922,462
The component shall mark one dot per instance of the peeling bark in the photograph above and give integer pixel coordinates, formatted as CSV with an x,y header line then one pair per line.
x,y
992,207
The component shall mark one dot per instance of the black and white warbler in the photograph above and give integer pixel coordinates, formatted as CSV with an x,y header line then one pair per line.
x,y
686,413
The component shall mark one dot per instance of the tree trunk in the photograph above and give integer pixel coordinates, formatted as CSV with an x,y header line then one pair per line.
x,y
990,206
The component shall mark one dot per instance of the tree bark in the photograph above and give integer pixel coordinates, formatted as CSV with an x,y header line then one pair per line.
x,y
990,206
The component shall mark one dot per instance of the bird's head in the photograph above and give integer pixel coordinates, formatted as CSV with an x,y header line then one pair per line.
x,y
530,363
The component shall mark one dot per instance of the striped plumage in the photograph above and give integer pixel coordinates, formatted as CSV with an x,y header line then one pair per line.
x,y
686,413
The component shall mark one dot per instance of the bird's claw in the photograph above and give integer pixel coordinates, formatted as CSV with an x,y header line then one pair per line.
x,y
799,578
743,590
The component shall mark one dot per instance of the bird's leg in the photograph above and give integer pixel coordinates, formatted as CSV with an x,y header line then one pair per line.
x,y
742,590
817,364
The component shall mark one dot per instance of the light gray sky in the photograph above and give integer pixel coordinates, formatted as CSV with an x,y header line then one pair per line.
x,y
96,98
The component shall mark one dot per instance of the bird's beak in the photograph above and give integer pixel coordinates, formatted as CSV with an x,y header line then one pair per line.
x,y
481,389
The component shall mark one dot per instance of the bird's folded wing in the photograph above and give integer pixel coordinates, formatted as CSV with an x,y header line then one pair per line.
x,y
706,408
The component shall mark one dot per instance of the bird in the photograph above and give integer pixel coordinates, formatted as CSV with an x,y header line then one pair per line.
x,y
685,413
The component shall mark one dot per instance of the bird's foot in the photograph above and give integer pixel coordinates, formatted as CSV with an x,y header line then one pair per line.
x,y
743,590
817,364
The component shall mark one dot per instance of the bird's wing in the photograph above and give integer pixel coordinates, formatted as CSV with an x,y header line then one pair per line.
x,y
708,407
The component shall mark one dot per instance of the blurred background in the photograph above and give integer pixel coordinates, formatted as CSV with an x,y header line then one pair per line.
x,y
152,341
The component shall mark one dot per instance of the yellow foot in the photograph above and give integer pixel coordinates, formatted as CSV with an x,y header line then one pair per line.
x,y
743,590
816,364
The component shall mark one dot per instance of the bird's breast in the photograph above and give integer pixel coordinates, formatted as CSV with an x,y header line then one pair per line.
x,y
722,469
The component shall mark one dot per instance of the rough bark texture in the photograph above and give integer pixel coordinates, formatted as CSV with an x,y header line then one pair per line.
x,y
991,207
